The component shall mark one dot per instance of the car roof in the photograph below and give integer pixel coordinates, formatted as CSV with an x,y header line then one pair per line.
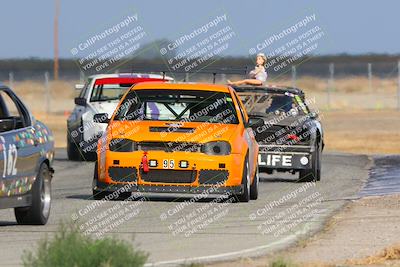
x,y
130,75
4,87
268,89
182,86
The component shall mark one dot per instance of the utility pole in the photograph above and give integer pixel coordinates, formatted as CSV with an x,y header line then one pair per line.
x,y
56,15
398,85
370,76
11,79
332,75
81,77
47,91
294,76
331,83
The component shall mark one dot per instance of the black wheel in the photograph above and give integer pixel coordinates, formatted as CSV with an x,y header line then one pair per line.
x,y
254,185
313,174
73,151
318,164
77,154
39,212
97,194
245,196
89,156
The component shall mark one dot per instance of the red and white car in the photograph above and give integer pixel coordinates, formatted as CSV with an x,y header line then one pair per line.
x,y
100,94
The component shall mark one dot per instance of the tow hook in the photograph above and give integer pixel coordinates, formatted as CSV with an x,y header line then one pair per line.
x,y
145,163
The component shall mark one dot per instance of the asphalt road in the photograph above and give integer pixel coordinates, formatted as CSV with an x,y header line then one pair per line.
x,y
174,230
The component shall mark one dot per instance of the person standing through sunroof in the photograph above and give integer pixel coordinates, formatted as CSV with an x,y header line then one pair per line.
x,y
258,76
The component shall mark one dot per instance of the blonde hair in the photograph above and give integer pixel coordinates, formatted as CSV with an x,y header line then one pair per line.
x,y
262,55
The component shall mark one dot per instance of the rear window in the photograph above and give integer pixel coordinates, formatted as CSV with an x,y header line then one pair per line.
x,y
178,105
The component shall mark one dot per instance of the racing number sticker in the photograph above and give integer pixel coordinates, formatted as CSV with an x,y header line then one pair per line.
x,y
10,160
169,165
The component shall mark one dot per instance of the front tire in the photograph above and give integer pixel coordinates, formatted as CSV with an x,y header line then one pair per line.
x,y
73,151
255,185
39,212
97,194
76,153
245,196
313,174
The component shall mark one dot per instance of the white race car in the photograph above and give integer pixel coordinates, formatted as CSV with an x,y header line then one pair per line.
x,y
100,94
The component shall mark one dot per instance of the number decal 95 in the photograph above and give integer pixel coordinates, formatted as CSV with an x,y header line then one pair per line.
x,y
168,164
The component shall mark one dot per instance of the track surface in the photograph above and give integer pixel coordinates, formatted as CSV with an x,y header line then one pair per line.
x,y
383,177
224,231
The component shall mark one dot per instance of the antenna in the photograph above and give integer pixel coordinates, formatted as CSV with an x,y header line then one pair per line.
x,y
56,15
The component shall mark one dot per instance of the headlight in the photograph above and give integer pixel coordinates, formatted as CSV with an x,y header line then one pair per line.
x,y
122,145
294,112
216,148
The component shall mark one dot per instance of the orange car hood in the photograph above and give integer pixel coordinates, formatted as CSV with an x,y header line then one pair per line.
x,y
157,131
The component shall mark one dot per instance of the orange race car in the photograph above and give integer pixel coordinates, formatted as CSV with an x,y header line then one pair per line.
x,y
177,138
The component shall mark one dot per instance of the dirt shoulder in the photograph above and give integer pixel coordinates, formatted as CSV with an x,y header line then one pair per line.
x,y
362,132
365,233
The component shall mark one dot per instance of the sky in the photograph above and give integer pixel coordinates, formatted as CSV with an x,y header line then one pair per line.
x,y
353,27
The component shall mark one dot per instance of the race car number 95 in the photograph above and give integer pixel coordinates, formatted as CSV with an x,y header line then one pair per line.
x,y
168,164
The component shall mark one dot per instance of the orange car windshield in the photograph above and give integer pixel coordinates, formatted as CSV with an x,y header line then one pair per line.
x,y
178,105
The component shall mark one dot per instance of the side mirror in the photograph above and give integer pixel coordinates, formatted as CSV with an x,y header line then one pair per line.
x,y
79,86
101,118
80,101
254,121
313,115
8,124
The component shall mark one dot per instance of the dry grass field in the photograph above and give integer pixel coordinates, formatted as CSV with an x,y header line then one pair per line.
x,y
357,118
363,131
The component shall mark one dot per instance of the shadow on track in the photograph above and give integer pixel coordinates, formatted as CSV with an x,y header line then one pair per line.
x,y
8,223
278,180
152,198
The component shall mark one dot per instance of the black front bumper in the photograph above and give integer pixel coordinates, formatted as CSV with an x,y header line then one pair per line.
x,y
285,157
211,190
